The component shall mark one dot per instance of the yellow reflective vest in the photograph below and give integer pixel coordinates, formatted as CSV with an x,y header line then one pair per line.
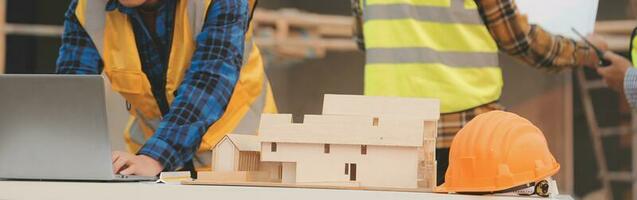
x,y
112,34
633,47
432,49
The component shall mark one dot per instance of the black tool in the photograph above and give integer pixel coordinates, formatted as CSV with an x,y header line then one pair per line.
x,y
600,54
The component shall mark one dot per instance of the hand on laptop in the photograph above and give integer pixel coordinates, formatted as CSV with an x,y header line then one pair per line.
x,y
129,164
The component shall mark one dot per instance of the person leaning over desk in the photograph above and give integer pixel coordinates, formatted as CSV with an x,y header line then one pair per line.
x,y
188,70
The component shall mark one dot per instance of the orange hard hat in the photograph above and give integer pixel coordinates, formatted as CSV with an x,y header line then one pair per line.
x,y
497,151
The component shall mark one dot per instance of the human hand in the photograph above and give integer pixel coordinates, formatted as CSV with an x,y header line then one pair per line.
x,y
129,164
614,74
601,45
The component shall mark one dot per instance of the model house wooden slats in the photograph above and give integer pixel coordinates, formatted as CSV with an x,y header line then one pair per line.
x,y
427,175
430,129
428,150
249,161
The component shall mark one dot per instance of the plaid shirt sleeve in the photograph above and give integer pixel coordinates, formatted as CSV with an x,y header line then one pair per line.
x,y
207,86
630,86
531,43
78,54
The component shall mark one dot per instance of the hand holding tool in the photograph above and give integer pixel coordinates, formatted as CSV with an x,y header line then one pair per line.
x,y
600,54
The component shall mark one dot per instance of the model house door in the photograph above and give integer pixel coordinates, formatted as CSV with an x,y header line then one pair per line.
x,y
352,171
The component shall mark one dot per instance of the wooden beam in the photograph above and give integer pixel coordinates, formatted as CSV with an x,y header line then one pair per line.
x,y
297,34
33,30
616,33
623,27
618,43
302,19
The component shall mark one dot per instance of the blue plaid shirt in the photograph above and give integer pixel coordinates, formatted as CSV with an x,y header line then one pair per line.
x,y
208,84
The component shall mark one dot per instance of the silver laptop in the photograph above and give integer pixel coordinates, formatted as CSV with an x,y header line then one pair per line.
x,y
53,127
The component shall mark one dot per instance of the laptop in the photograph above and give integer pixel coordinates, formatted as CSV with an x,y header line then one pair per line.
x,y
53,127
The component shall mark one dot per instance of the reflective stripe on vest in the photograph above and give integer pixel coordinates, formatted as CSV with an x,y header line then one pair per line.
x,y
114,38
430,48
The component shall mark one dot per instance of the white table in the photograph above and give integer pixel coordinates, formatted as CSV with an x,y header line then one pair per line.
x,y
109,191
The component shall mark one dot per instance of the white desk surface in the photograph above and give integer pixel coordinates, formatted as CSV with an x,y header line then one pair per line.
x,y
109,191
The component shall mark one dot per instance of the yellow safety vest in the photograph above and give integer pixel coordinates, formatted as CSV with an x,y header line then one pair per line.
x,y
430,48
112,34
633,47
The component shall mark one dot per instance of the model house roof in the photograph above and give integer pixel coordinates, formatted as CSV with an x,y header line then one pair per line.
x,y
425,109
341,129
244,142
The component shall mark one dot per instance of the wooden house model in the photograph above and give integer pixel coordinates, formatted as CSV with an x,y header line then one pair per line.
x,y
358,141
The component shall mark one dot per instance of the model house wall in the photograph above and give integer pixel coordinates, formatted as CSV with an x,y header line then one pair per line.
x,y
427,110
344,150
224,156
315,167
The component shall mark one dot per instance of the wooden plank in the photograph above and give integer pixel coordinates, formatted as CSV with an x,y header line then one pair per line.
x,y
305,186
616,33
615,26
336,31
306,47
301,19
567,174
616,130
622,176
296,34
34,30
618,43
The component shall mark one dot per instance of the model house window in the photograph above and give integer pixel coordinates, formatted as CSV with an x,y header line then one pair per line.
x,y
273,147
363,149
326,148
346,169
